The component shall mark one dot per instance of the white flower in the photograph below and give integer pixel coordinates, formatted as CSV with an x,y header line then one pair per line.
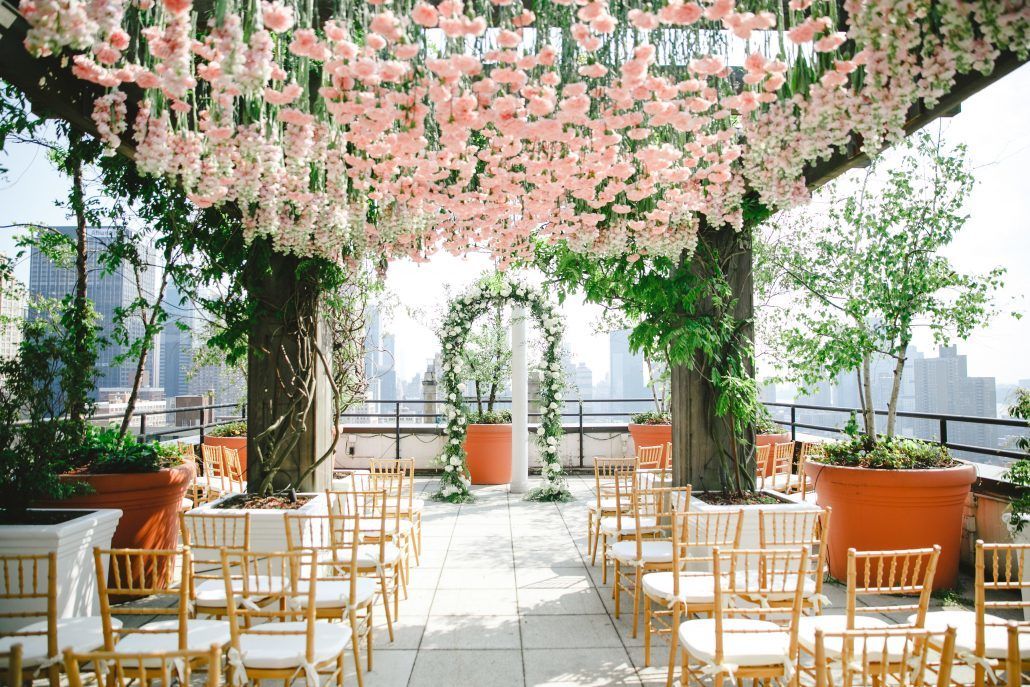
x,y
448,468
540,430
455,441
554,406
455,461
551,441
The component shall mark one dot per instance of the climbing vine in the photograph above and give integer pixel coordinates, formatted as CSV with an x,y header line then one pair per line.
x,y
461,316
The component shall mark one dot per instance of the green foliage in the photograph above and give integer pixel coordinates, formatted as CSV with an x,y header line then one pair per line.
x,y
764,422
857,276
109,451
486,357
651,417
231,429
886,453
490,417
1019,472
687,314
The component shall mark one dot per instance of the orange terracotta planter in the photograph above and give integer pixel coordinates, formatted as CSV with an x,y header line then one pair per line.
x,y
238,443
488,452
894,509
651,435
769,439
150,504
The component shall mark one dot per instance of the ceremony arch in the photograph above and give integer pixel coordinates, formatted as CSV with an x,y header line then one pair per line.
x,y
461,316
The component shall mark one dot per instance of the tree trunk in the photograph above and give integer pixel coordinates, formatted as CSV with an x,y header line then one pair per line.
x,y
892,405
865,391
291,424
704,452
479,398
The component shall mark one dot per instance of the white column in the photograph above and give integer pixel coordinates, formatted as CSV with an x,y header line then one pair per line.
x,y
519,403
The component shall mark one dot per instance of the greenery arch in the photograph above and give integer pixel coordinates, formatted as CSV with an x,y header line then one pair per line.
x,y
461,316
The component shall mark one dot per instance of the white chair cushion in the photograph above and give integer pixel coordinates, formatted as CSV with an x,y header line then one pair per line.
x,y
835,623
270,651
694,588
417,505
653,551
784,584
187,504
80,634
995,632
610,525
607,504
200,634
211,593
767,647
335,593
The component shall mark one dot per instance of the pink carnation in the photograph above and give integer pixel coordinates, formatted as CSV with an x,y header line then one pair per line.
x,y
425,15
277,17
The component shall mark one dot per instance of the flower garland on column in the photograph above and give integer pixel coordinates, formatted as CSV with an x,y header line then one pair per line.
x,y
462,314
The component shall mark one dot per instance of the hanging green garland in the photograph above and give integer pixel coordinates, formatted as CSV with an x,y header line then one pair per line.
x,y
461,316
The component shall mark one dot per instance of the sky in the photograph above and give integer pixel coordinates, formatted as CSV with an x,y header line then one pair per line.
x,y
993,124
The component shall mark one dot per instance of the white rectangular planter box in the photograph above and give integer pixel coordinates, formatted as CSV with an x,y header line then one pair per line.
x,y
73,541
267,527
749,530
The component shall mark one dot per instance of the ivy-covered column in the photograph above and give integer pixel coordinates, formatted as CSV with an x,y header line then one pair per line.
x,y
708,451
291,427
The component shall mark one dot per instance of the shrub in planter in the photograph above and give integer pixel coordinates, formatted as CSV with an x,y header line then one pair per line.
x,y
232,435
892,493
1019,472
651,428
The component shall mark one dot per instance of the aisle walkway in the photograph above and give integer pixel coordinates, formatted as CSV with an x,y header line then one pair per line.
x,y
505,596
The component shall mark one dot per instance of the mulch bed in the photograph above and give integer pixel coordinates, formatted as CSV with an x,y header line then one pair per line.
x,y
750,499
259,502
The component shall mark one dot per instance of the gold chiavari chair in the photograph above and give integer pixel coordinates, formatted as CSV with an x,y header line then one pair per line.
x,y
411,506
163,668
342,594
650,547
206,534
282,639
875,574
779,529
689,587
11,665
781,475
1015,666
607,471
377,555
171,628
982,640
807,450
746,640
890,656
650,457
398,529
762,455
622,524
194,493
218,479
28,602
667,463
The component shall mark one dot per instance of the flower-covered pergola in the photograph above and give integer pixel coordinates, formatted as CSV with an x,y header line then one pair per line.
x,y
404,127
348,129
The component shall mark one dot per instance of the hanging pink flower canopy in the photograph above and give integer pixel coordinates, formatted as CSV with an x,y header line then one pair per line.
x,y
400,128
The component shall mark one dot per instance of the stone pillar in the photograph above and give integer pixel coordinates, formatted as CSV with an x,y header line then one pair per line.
x,y
519,403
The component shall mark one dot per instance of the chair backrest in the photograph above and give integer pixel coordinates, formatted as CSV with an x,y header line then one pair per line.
x,y
271,595
667,463
393,485
884,656
1000,568
807,450
609,474
28,595
756,575
127,579
653,513
233,466
696,533
905,572
334,538
206,534
779,528
1018,634
404,468
762,454
370,509
782,459
163,668
650,457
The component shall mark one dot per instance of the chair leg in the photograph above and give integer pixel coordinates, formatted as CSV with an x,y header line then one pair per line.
x,y
616,589
355,641
591,538
386,605
636,600
368,637
340,669
673,644
603,543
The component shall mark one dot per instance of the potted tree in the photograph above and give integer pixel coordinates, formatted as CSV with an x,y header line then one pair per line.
x,y
486,361
862,276
230,435
651,428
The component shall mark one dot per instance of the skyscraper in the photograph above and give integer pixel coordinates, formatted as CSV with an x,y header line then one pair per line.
x,y
627,372
12,312
373,352
108,292
943,385
388,365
